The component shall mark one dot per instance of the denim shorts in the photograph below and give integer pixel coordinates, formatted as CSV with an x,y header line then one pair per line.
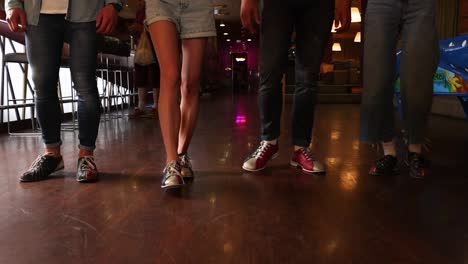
x,y
193,18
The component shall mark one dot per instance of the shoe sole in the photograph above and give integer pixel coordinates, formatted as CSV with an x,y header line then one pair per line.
x,y
188,177
297,165
87,181
266,163
393,173
60,167
383,174
171,187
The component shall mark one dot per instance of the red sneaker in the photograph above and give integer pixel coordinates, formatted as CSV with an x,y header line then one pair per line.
x,y
303,159
259,159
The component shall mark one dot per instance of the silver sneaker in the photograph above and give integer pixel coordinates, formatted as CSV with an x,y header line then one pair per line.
x,y
187,172
171,176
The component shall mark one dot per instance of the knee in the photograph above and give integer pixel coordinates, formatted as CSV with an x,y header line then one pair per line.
x,y
45,84
170,77
190,87
87,92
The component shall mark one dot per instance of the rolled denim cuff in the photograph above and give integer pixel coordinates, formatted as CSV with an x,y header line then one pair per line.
x,y
53,145
301,143
86,147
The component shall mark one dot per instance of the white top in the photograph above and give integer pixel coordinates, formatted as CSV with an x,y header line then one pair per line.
x,y
54,6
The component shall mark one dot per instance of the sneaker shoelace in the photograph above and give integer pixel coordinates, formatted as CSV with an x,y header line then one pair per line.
x,y
185,161
261,150
87,164
308,154
36,165
172,169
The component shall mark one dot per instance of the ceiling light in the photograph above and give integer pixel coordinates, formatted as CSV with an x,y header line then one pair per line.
x,y
249,40
357,38
222,24
225,34
240,59
355,15
228,40
336,46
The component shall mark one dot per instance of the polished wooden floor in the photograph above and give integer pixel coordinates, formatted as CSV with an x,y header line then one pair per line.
x,y
227,215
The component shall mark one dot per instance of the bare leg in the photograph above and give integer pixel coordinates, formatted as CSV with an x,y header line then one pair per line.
x,y
142,98
164,37
192,58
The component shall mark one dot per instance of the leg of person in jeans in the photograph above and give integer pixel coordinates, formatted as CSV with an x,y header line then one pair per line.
x,y
44,48
310,45
83,52
275,35
419,60
382,23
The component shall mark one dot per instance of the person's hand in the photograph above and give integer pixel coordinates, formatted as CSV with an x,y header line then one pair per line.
x,y
250,15
342,15
106,20
16,19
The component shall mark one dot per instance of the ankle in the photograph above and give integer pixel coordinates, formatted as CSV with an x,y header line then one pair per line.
x,y
171,159
296,148
86,152
54,152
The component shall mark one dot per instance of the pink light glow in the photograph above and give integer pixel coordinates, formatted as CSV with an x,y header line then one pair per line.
x,y
241,119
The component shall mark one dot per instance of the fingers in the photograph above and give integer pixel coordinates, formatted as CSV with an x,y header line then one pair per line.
x,y
107,20
106,27
23,23
17,21
110,27
245,20
12,24
99,22
250,19
257,16
103,26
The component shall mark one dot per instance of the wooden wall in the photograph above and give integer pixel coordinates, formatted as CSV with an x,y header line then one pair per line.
x,y
463,17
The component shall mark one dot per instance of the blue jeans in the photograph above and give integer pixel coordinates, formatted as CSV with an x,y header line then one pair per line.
x,y
312,20
44,49
414,21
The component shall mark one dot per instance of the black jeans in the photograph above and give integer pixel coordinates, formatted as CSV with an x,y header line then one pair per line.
x,y
414,21
44,44
312,21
